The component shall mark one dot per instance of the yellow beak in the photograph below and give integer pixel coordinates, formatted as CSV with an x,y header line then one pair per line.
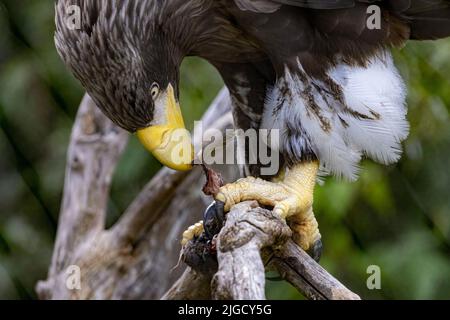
x,y
169,142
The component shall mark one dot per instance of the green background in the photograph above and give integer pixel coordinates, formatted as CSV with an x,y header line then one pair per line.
x,y
396,217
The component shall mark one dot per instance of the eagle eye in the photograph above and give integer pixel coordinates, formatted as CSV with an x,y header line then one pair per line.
x,y
154,91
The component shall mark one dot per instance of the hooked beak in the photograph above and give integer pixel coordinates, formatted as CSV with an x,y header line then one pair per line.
x,y
168,140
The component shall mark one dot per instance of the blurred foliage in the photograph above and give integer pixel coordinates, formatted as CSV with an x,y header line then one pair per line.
x,y
395,217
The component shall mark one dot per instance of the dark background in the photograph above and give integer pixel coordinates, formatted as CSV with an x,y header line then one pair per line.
x,y
395,217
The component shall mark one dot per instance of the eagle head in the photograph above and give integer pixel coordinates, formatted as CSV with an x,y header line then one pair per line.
x,y
125,59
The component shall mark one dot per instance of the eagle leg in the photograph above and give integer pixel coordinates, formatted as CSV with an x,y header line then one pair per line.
x,y
213,219
291,199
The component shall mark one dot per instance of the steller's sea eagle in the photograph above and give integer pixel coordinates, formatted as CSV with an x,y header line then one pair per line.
x,y
314,69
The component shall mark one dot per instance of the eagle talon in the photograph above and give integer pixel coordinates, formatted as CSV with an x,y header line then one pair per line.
x,y
291,199
192,232
315,251
285,200
213,219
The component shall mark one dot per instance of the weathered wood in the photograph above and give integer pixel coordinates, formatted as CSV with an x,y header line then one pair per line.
x,y
133,260
95,148
252,238
248,229
192,285
314,282
252,242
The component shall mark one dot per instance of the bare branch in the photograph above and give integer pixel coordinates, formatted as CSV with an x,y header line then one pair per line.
x,y
192,285
305,274
94,151
147,208
253,235
248,229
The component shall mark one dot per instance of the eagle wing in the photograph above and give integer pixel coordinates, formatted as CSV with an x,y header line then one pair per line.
x,y
428,19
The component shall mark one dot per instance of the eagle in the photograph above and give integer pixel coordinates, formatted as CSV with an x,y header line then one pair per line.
x,y
320,72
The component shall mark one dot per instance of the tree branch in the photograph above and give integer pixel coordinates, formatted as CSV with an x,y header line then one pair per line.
x,y
248,229
134,259
305,274
94,150
253,238
192,285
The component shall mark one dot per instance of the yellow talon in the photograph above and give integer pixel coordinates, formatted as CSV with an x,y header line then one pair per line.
x,y
290,196
192,232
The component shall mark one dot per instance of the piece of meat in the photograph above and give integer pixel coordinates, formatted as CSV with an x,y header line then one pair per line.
x,y
214,181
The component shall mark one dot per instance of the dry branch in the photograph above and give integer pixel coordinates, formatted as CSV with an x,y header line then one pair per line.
x,y
253,241
94,150
241,275
248,229
192,285
305,274
134,259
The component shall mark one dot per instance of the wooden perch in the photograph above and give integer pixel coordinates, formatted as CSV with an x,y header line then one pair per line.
x,y
248,229
192,285
251,239
305,274
135,258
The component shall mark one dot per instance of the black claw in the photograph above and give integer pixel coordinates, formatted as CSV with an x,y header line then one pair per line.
x,y
213,219
316,250
220,209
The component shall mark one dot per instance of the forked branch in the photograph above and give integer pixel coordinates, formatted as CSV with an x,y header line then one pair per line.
x,y
253,241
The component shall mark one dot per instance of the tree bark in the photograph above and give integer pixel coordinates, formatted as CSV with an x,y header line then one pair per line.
x,y
248,229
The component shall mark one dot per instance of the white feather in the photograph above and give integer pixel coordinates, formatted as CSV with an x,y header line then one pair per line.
x,y
376,93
